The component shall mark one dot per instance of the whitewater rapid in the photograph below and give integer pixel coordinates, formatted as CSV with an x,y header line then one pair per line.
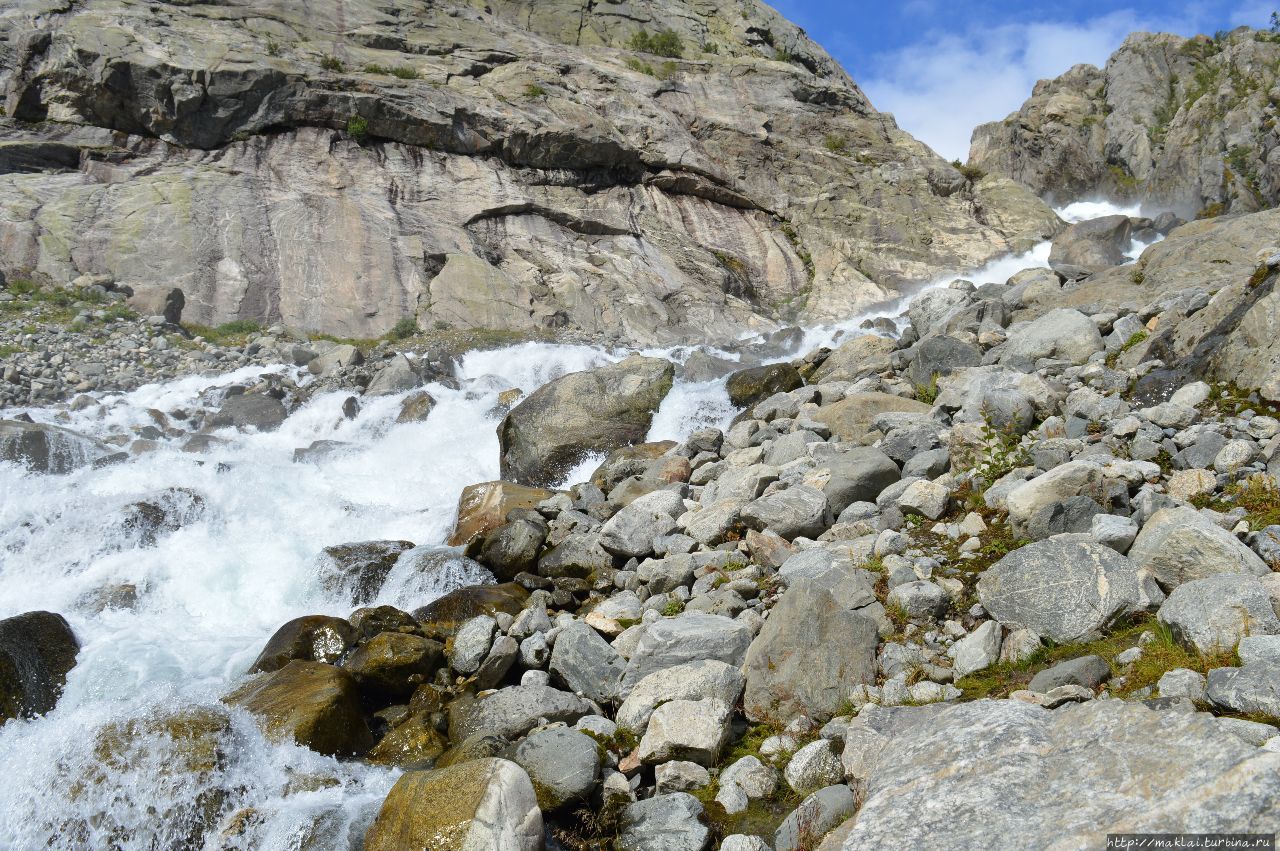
x,y
211,593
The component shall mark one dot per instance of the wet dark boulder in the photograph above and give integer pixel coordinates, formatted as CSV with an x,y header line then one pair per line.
x,y
37,650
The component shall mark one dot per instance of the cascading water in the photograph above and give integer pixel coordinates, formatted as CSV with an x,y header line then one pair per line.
x,y
204,598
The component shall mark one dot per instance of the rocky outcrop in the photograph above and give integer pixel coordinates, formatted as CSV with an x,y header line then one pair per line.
x,y
341,166
1184,124
1071,776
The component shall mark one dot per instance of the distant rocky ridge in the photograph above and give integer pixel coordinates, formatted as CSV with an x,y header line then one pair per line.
x,y
1183,124
340,165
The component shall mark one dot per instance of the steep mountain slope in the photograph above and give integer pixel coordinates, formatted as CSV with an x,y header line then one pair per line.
x,y
1187,124
343,164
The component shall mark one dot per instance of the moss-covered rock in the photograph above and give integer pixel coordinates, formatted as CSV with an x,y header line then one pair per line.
x,y
393,664
749,386
413,743
488,803
312,638
442,617
316,705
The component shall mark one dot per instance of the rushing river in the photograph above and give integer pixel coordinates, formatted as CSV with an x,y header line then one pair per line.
x,y
212,592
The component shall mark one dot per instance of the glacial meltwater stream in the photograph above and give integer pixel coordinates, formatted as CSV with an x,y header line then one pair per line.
x,y
210,593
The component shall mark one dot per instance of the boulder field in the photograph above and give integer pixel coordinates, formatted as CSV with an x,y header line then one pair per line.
x,y
1035,593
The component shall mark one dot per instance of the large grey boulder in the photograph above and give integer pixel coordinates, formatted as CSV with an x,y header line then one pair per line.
x,y
692,730
563,764
1065,590
663,823
862,355
1060,484
631,531
249,410
395,375
586,664
933,357
809,657
513,711
1064,334
596,410
858,474
1180,544
1065,778
746,780
1253,689
1091,246
44,448
798,511
690,637
705,679
1211,615
37,651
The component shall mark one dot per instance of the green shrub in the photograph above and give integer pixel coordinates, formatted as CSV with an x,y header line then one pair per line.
x,y
666,43
835,143
971,172
238,326
273,47
357,127
332,63
403,329
533,90
1212,211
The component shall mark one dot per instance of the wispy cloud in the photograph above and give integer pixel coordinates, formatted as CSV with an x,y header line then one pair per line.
x,y
946,83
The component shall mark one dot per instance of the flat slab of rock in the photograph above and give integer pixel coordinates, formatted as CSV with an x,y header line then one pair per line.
x,y
701,680
1065,590
513,711
808,657
484,803
850,418
1065,778
687,638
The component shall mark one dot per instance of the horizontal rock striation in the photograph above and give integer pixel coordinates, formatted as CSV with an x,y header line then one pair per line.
x,y
343,165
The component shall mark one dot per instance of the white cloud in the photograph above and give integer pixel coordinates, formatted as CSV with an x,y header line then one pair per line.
x,y
944,85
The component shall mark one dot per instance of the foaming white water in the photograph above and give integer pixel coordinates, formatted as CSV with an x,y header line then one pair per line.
x,y
1080,211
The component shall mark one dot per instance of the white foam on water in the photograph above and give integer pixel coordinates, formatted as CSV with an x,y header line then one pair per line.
x,y
212,592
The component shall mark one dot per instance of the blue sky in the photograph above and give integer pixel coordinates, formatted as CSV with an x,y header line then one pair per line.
x,y
944,66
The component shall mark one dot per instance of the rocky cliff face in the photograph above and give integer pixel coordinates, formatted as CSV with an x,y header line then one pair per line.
x,y
340,165
1186,124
